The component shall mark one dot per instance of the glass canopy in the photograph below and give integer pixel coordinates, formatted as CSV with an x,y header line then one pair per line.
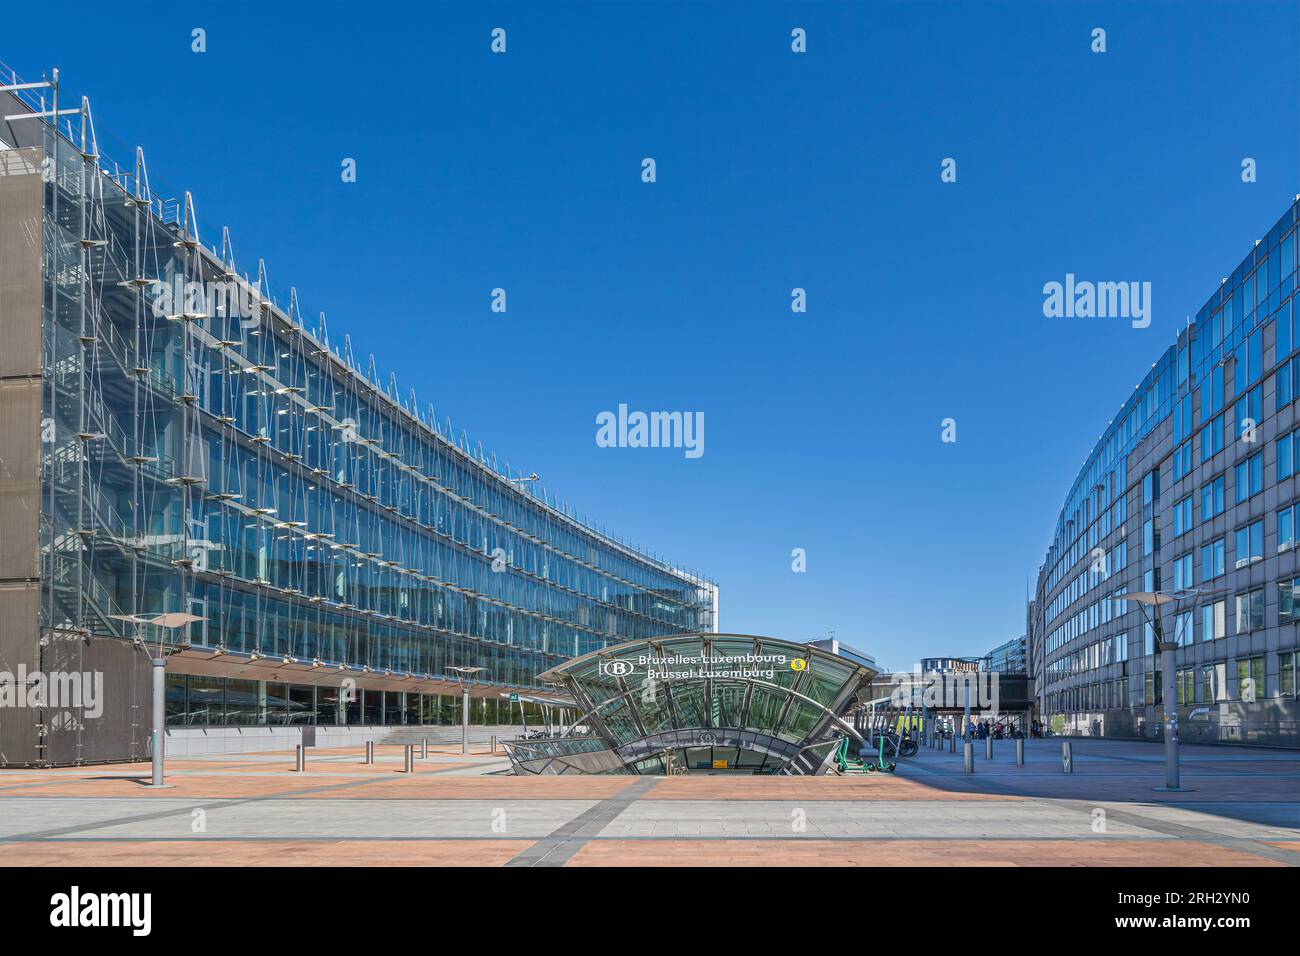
x,y
699,702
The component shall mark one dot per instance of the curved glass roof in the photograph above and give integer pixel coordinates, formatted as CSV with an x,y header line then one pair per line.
x,y
759,699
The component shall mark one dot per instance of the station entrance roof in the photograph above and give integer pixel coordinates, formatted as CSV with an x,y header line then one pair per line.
x,y
699,702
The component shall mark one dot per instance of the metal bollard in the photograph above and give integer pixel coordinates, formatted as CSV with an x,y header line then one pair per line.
x,y
300,760
410,758
968,757
988,747
952,743
1067,757
494,745
424,749
370,751
1020,751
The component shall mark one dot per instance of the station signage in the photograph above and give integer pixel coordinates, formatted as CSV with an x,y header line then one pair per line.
x,y
702,666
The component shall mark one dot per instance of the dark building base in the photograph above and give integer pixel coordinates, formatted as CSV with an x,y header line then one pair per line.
x,y
1269,723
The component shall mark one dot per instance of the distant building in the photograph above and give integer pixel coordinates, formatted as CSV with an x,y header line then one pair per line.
x,y
1008,657
845,651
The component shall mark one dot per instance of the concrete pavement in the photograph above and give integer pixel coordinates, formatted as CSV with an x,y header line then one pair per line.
x,y
467,810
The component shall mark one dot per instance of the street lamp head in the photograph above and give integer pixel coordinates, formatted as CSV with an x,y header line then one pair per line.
x,y
1148,598
1161,598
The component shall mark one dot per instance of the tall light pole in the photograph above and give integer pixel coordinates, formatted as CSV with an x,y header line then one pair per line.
x,y
168,622
462,673
1151,603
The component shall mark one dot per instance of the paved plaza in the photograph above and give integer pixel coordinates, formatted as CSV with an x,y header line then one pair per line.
x,y
254,809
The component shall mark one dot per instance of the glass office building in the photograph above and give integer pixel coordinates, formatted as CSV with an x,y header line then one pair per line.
x,y
1192,492
1008,657
174,438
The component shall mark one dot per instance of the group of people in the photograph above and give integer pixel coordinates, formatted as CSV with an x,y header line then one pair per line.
x,y
980,730
997,730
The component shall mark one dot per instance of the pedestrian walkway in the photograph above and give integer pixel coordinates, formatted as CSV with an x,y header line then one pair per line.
x,y
249,810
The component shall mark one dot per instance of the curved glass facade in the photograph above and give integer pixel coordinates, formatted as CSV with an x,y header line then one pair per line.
x,y
1190,489
191,445
699,702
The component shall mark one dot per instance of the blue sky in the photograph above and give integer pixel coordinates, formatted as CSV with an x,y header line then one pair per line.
x,y
775,170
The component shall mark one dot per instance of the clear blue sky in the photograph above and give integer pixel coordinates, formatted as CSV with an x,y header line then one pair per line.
x,y
775,170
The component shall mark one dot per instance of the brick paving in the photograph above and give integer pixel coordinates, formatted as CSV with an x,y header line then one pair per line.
x,y
254,809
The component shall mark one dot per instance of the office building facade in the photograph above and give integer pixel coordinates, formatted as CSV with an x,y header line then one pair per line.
x,y
175,440
1191,493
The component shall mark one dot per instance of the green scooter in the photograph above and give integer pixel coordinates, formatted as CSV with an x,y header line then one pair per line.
x,y
842,760
879,764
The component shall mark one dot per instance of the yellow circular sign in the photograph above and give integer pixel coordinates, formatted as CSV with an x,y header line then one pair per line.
x,y
798,664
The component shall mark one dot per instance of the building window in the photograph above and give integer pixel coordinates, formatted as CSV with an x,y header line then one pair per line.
x,y
1211,439
1286,673
1286,601
1285,462
1183,516
1285,529
1250,611
1283,327
1212,682
1250,544
1249,409
1213,620
1150,536
1212,499
1185,682
1152,688
1250,679
1183,572
1212,559
1249,477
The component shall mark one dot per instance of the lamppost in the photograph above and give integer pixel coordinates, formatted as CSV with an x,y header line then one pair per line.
x,y
1154,601
169,621
462,673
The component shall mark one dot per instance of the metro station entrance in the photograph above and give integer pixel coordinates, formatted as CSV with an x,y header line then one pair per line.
x,y
700,703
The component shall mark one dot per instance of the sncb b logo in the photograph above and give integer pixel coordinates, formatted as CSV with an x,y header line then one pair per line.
x,y
616,668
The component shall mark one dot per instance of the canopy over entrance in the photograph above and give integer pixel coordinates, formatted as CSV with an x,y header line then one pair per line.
x,y
699,702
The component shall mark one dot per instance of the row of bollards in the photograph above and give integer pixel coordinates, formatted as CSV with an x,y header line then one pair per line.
x,y
1067,754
